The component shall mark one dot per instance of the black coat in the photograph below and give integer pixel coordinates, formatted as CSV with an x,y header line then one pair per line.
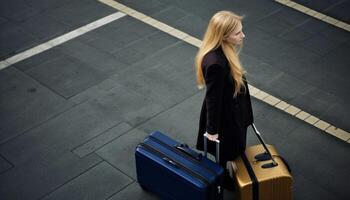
x,y
222,113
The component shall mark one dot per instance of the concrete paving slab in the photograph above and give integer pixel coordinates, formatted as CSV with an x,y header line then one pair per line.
x,y
14,39
297,35
62,133
258,72
336,35
171,13
99,182
36,178
308,189
17,10
143,48
25,103
54,74
179,122
43,27
148,7
339,11
38,59
120,152
135,192
274,125
186,24
4,165
118,34
102,62
319,6
77,13
102,139
316,101
319,45
281,85
341,119
322,151
44,5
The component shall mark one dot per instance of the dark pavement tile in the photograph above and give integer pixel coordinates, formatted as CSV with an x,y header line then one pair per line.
x,y
281,86
4,165
163,78
81,64
307,189
145,47
54,74
186,24
148,7
262,45
336,35
99,182
340,11
121,152
275,126
62,133
274,25
319,45
44,5
315,26
259,74
39,59
117,35
78,13
315,101
311,153
317,5
24,103
297,35
128,105
14,39
102,139
43,27
282,21
134,191
170,14
17,10
338,114
180,122
36,178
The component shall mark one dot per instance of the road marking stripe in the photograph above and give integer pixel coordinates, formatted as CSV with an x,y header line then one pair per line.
x,y
315,14
255,92
59,40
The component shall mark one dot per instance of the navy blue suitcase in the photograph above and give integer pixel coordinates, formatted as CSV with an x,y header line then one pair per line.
x,y
174,171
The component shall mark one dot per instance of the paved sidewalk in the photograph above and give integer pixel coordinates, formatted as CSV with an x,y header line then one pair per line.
x,y
72,116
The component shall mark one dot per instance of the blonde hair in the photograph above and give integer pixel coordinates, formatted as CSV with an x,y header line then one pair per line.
x,y
221,25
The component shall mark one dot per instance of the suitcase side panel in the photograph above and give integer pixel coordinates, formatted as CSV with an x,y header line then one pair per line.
x,y
166,180
274,183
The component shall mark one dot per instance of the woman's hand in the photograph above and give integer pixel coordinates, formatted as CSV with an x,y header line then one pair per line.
x,y
212,137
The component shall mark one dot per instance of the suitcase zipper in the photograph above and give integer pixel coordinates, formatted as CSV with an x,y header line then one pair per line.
x,y
180,152
189,171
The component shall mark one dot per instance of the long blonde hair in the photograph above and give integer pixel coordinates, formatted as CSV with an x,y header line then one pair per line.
x,y
221,25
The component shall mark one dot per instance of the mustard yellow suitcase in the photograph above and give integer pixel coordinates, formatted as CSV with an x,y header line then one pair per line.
x,y
262,174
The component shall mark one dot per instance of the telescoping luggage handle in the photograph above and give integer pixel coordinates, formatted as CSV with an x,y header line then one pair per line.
x,y
217,142
267,154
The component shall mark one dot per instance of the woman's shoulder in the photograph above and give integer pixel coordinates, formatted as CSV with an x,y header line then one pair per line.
x,y
214,57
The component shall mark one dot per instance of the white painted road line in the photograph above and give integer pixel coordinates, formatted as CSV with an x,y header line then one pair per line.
x,y
59,40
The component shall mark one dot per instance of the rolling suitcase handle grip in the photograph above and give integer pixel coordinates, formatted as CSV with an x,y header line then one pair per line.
x,y
184,148
217,142
267,155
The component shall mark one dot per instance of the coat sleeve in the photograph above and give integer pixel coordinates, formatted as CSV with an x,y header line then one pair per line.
x,y
214,80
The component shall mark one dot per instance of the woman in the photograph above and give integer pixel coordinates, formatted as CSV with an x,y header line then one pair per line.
x,y
226,112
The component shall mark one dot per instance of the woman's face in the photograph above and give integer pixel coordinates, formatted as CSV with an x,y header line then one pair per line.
x,y
237,36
